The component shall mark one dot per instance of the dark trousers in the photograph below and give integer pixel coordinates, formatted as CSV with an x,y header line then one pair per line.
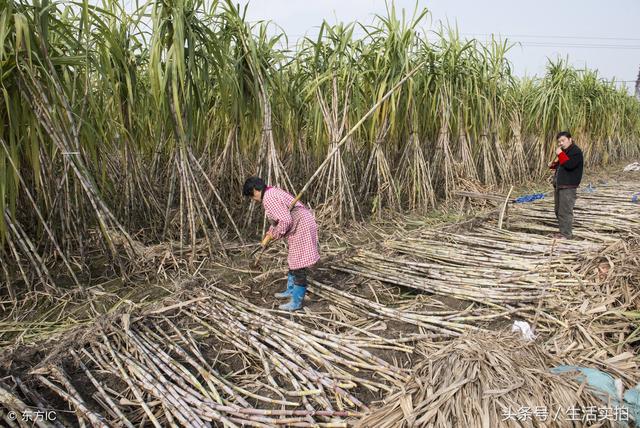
x,y
564,201
299,276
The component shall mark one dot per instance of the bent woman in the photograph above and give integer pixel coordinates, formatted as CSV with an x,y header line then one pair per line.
x,y
298,226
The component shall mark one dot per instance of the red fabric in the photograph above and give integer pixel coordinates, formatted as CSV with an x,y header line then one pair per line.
x,y
554,165
298,226
562,158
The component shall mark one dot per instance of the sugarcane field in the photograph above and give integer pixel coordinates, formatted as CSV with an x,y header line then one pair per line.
x,y
319,214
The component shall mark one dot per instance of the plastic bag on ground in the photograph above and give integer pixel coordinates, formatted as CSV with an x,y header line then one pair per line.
x,y
524,328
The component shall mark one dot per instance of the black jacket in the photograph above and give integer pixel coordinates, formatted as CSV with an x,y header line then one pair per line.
x,y
569,173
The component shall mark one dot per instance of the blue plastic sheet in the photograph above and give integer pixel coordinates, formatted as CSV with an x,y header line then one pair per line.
x,y
632,401
604,387
529,198
603,384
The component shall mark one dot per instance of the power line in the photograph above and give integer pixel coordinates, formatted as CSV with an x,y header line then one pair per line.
x,y
577,45
554,37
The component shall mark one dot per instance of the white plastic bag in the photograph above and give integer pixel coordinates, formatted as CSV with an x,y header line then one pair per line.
x,y
632,167
524,328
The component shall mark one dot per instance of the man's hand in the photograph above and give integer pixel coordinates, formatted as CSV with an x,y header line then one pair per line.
x,y
558,150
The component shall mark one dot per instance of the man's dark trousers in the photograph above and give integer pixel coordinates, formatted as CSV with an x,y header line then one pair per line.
x,y
565,200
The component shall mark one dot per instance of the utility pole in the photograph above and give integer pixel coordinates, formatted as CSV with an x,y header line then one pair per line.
x,y
638,86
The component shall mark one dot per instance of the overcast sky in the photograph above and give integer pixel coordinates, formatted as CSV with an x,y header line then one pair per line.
x,y
603,35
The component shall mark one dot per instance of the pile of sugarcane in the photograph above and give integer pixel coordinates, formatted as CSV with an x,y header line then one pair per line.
x,y
497,266
431,324
487,246
483,380
485,266
284,373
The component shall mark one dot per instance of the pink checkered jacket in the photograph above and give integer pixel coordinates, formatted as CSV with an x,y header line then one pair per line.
x,y
298,226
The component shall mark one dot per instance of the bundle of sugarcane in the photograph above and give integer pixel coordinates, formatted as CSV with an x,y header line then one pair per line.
x,y
484,380
486,264
587,225
169,382
441,323
459,278
337,355
509,242
290,374
473,251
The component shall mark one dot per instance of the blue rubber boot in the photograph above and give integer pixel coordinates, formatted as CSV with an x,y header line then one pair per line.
x,y
287,293
297,296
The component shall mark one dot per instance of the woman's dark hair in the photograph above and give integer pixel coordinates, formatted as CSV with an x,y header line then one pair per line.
x,y
253,183
563,134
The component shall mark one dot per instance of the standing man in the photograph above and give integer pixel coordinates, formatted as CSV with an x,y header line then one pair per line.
x,y
300,229
568,174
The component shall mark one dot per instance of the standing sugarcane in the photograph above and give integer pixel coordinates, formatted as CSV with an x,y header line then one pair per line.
x,y
298,225
279,206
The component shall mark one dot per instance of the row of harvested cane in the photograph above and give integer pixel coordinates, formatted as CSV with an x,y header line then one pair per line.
x,y
495,266
466,267
431,324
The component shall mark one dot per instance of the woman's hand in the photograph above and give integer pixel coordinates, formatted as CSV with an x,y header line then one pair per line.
x,y
265,241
